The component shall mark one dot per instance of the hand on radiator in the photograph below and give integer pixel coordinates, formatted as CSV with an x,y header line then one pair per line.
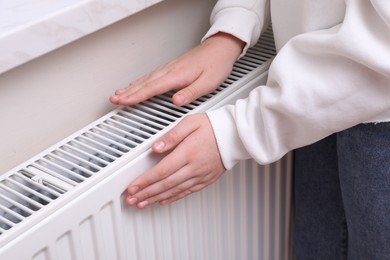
x,y
193,163
195,73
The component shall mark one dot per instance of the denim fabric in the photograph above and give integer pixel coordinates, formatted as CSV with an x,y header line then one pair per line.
x,y
342,196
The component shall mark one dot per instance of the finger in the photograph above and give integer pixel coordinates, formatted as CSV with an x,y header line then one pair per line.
x,y
175,136
174,191
171,80
175,198
135,85
159,187
179,196
138,84
179,184
177,192
194,91
120,96
132,95
157,83
197,89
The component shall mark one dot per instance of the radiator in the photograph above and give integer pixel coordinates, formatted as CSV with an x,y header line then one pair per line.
x,y
68,201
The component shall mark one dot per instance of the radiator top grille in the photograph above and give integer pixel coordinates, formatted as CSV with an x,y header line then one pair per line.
x,y
37,183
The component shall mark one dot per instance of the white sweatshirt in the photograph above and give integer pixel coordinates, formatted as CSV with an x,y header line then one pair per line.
x,y
332,72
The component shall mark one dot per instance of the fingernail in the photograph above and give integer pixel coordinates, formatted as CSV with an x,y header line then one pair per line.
x,y
159,145
133,190
142,204
131,201
179,99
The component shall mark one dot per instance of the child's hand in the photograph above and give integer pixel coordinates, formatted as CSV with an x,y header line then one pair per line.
x,y
193,164
195,73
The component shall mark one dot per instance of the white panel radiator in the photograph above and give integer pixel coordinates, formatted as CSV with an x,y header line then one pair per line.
x,y
68,202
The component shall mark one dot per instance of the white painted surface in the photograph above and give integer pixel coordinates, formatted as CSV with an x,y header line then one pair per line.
x,y
31,28
48,98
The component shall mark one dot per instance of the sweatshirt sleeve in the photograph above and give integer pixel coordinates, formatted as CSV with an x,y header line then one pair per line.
x,y
320,83
244,19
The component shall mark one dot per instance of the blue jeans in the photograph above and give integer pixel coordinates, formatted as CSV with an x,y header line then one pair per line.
x,y
342,196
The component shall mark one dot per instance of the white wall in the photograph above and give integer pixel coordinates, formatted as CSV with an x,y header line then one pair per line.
x,y
51,97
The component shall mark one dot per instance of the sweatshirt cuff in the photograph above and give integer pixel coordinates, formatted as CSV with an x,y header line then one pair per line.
x,y
229,142
239,22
